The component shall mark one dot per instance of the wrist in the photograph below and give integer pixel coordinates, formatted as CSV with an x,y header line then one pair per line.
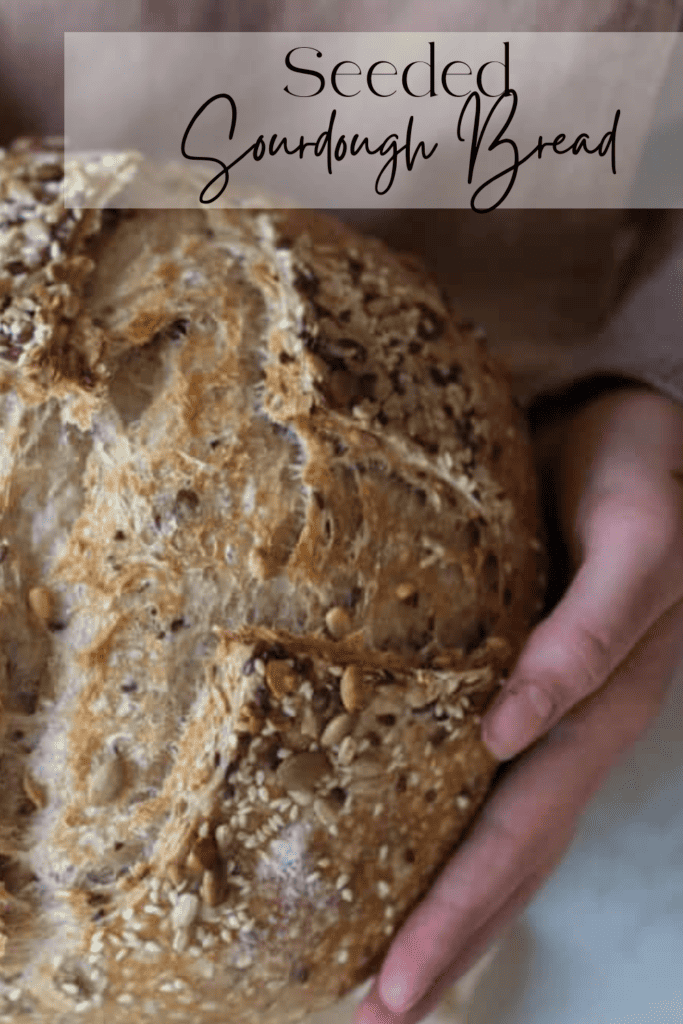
x,y
551,417
567,432
622,447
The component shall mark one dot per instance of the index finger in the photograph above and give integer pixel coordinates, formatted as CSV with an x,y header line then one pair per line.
x,y
632,572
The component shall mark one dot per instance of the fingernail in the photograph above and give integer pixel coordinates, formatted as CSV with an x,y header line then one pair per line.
x,y
397,996
516,722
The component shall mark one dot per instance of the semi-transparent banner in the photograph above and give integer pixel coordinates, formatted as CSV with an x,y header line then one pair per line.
x,y
371,120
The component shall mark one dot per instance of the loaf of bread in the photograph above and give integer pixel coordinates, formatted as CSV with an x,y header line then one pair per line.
x,y
268,545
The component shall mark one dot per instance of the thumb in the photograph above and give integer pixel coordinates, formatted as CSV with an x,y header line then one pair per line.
x,y
632,572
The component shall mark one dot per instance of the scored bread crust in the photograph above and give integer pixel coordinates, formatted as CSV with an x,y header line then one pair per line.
x,y
268,544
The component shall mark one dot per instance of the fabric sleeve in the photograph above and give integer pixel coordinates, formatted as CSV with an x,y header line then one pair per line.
x,y
642,342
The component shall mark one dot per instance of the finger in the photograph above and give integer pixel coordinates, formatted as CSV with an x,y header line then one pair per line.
x,y
633,571
374,1010
529,820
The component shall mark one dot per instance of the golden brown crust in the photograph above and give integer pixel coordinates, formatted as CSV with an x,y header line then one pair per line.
x,y
269,543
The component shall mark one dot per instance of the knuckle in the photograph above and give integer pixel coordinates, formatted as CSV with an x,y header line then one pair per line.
x,y
507,836
588,660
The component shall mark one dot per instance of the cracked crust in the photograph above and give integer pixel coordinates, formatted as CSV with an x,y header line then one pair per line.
x,y
269,544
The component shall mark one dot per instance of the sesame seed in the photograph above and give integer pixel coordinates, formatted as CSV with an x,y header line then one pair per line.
x,y
149,908
379,808
121,954
15,994
82,1007
388,929
389,911
347,895
342,956
383,889
125,1000
462,802
383,854
243,960
128,914
341,881
185,911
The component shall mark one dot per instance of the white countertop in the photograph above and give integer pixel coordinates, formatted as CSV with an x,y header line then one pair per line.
x,y
602,942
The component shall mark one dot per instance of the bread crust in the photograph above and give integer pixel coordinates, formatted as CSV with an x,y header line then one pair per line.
x,y
269,544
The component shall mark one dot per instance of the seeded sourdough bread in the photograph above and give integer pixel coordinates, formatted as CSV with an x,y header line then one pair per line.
x,y
269,543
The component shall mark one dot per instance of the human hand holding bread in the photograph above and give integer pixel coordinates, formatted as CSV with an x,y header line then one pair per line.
x,y
590,680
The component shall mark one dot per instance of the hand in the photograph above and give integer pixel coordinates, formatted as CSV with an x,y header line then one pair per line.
x,y
589,682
